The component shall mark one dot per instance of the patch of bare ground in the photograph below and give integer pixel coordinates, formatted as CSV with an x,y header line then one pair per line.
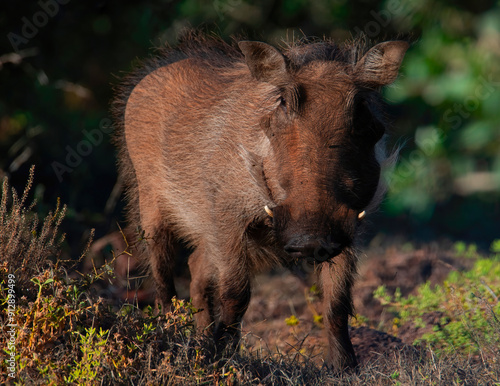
x,y
282,294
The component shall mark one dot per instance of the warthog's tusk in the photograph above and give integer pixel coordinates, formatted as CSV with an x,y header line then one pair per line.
x,y
362,214
268,211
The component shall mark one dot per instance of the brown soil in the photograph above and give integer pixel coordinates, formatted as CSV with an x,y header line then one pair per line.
x,y
283,294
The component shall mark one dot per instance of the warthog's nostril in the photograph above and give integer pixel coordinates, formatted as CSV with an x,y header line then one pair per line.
x,y
327,250
290,248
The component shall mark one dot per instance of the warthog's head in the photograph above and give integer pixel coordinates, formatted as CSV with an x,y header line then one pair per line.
x,y
325,132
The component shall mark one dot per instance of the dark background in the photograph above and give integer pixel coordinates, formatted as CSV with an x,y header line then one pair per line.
x,y
59,62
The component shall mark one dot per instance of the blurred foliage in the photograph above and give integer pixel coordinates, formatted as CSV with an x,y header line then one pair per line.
x,y
450,93
58,63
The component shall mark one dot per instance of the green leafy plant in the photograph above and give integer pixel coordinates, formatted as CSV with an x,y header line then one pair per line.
x,y
93,349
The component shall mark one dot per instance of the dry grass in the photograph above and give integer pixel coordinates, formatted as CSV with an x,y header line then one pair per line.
x,y
26,247
69,335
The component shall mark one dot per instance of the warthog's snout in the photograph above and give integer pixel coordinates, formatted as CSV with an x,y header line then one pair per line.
x,y
312,247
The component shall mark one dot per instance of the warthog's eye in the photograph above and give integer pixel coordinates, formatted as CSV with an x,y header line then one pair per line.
x,y
333,146
367,121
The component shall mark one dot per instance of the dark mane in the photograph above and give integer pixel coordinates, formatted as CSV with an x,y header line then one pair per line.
x,y
308,50
218,53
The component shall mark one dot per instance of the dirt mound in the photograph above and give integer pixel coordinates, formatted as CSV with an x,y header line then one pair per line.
x,y
370,345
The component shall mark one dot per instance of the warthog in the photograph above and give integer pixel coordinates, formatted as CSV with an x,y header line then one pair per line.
x,y
256,157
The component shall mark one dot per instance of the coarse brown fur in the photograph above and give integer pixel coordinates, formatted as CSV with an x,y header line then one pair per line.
x,y
209,135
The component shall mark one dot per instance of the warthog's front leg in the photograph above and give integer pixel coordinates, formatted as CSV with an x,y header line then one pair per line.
x,y
234,296
162,260
337,278
222,294
202,289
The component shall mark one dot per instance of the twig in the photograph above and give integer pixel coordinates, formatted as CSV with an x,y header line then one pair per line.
x,y
489,290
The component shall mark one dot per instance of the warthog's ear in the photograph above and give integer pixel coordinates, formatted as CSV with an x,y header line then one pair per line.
x,y
265,62
380,65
